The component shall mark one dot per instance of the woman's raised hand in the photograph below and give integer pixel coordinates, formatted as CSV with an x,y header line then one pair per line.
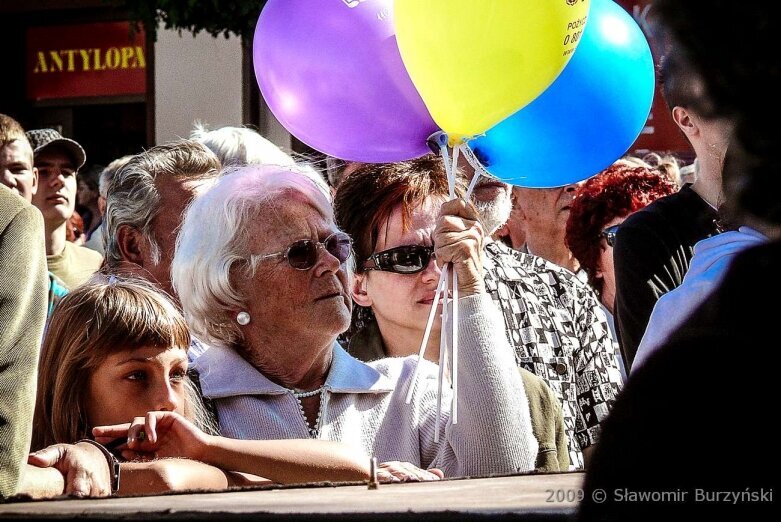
x,y
458,239
159,434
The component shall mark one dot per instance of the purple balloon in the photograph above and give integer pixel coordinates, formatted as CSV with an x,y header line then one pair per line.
x,y
331,72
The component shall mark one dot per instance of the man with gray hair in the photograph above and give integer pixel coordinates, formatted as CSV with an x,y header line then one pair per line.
x,y
144,207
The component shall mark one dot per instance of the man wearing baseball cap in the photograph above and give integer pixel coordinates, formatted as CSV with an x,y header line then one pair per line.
x,y
58,160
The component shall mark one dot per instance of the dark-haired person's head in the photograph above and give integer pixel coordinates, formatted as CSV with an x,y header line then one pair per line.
x,y
601,204
390,211
739,79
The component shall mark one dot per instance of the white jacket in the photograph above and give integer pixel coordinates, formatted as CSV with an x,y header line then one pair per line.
x,y
365,403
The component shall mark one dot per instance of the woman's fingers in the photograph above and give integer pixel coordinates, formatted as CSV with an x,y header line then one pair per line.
x,y
157,431
406,472
460,207
438,472
458,239
110,432
386,477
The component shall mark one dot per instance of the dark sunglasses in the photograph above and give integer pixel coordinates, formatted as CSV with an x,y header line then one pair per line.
x,y
610,235
302,254
407,259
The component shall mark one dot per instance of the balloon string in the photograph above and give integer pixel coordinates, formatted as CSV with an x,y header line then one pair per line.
x,y
442,360
451,178
442,293
446,161
454,317
454,354
427,333
478,168
472,185
451,169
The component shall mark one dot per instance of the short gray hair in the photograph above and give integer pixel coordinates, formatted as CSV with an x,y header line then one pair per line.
x,y
133,198
205,256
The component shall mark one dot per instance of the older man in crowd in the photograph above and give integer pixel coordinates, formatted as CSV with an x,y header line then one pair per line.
x,y
542,213
145,203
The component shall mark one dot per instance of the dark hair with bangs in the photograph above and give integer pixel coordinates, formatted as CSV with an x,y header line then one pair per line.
x,y
99,318
367,197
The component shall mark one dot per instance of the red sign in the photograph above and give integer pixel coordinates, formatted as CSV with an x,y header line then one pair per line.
x,y
102,59
660,133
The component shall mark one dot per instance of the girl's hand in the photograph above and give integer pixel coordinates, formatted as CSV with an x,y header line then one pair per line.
x,y
159,434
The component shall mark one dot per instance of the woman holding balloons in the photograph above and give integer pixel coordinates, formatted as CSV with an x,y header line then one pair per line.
x,y
545,93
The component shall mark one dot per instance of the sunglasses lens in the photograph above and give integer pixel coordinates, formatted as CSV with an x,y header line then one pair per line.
x,y
406,260
339,245
302,255
610,235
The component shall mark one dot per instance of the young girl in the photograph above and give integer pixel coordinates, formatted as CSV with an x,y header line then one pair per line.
x,y
116,349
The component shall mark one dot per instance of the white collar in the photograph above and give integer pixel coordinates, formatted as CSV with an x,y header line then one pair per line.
x,y
224,373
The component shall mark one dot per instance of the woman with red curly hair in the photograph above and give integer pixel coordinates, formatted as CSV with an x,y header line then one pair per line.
x,y
600,206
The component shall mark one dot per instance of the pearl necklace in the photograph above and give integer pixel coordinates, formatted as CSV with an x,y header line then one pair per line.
x,y
314,431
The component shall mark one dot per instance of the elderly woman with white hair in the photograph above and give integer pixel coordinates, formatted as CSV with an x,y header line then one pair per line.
x,y
266,284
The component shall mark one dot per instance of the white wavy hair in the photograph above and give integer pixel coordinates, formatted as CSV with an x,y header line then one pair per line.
x,y
240,146
237,146
205,255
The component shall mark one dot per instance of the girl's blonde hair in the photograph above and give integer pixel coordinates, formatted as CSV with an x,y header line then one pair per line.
x,y
104,316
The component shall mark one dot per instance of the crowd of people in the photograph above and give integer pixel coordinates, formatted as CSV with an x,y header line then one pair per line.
x,y
226,315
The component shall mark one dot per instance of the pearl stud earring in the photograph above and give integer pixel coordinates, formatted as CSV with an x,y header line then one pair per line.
x,y
243,318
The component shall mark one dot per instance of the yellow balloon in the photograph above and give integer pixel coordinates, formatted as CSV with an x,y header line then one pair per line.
x,y
476,62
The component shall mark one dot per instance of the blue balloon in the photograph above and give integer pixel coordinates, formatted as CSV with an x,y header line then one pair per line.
x,y
588,117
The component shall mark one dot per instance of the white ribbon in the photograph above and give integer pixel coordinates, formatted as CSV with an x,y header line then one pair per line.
x,y
448,351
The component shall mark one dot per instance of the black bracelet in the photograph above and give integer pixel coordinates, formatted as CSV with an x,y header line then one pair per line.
x,y
113,463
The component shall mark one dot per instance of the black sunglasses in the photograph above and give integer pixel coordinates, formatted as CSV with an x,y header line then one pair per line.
x,y
610,235
407,259
302,254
